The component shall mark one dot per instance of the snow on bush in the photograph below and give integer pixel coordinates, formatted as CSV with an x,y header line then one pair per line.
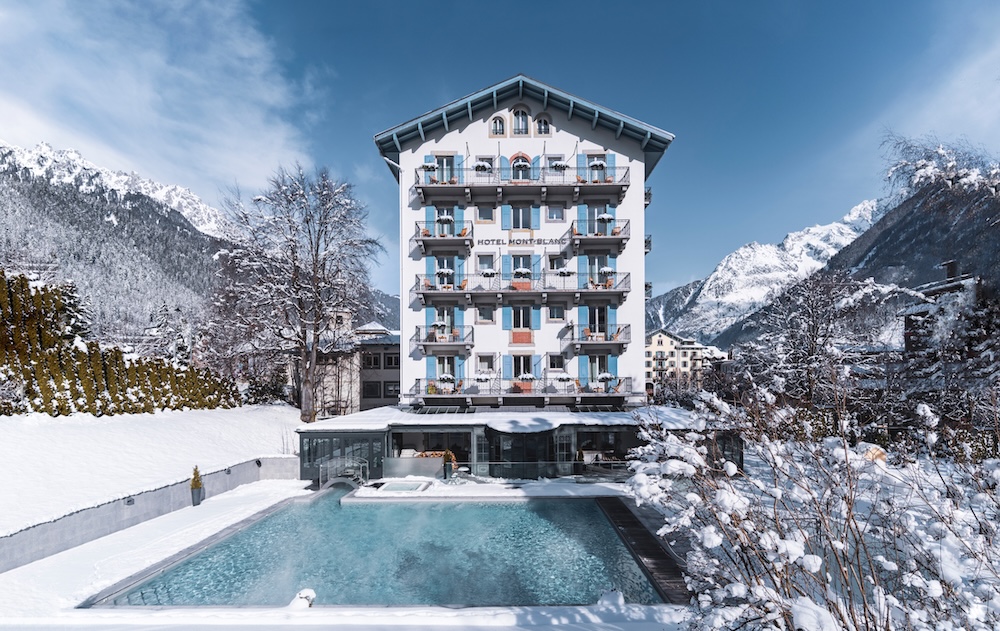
x,y
818,534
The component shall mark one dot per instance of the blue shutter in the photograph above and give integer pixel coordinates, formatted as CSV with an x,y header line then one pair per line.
x,y
583,315
535,170
459,270
609,160
536,366
459,369
506,266
430,317
536,317
459,317
612,208
459,163
507,371
428,174
581,219
581,166
505,217
432,368
612,319
536,266
613,262
459,218
506,317
504,168
429,264
583,362
613,365
581,270
536,217
430,214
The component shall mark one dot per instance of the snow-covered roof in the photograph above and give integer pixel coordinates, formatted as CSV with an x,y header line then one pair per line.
x,y
652,140
372,328
512,421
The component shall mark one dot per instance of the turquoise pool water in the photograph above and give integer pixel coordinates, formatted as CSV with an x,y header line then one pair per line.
x,y
538,552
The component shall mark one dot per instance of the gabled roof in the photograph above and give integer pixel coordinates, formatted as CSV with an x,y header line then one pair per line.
x,y
652,140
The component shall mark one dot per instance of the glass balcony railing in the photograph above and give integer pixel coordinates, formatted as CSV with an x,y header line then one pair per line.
x,y
570,176
565,385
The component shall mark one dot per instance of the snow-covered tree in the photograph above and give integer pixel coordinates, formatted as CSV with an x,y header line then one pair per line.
x,y
302,259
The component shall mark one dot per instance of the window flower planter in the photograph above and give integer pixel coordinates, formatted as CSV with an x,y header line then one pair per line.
x,y
607,270
489,273
559,166
445,219
482,167
522,272
430,166
597,164
605,376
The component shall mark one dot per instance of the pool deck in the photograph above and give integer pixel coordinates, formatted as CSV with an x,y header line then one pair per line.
x,y
660,567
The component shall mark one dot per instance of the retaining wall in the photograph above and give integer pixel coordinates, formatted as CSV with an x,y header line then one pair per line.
x,y
42,540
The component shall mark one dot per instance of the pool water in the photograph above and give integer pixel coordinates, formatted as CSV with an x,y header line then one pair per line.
x,y
536,552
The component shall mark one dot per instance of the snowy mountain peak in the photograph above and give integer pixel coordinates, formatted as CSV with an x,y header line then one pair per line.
x,y
68,166
749,277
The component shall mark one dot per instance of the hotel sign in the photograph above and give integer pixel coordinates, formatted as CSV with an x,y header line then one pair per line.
x,y
559,241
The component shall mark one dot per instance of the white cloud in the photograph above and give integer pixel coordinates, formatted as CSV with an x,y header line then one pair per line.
x,y
182,92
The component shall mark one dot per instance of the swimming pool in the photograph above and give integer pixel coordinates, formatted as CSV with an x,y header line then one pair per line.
x,y
535,552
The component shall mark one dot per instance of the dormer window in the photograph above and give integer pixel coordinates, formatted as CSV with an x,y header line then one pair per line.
x,y
497,127
521,123
543,127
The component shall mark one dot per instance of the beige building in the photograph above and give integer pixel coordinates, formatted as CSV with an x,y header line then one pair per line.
x,y
674,360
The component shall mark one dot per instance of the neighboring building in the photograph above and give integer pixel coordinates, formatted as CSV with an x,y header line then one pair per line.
x,y
919,319
677,361
358,369
522,245
379,348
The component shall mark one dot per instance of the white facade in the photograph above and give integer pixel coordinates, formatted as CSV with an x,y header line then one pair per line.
x,y
522,235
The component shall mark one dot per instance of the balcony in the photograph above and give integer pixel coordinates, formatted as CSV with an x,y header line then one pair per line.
x,y
472,186
432,340
565,389
649,243
649,290
489,283
437,235
649,196
613,233
465,286
585,339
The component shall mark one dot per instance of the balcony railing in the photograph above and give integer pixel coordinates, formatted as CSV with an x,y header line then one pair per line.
x,y
443,234
458,182
600,232
444,338
649,243
649,195
564,386
599,337
431,285
649,290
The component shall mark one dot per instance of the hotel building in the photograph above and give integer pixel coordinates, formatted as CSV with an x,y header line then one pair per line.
x,y
522,218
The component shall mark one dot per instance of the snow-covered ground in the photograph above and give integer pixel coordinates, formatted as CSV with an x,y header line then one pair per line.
x,y
50,467
55,466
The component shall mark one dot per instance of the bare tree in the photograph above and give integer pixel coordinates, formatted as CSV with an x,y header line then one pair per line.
x,y
301,260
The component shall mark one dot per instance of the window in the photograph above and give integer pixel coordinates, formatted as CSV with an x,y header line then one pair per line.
x,y
445,366
673,353
521,218
521,261
521,316
392,361
445,167
556,213
684,353
520,123
340,320
497,126
660,354
649,364
484,213
391,389
659,342
522,365
485,314
371,390
596,165
557,312
484,364
557,262
371,361
542,125
649,353
521,168
484,261
556,362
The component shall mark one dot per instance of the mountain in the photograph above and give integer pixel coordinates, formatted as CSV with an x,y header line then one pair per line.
x,y
134,248
70,168
751,276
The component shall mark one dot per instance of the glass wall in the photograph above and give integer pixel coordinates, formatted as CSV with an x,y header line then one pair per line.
x,y
317,447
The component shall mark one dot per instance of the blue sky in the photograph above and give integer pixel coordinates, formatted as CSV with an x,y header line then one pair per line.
x,y
779,107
